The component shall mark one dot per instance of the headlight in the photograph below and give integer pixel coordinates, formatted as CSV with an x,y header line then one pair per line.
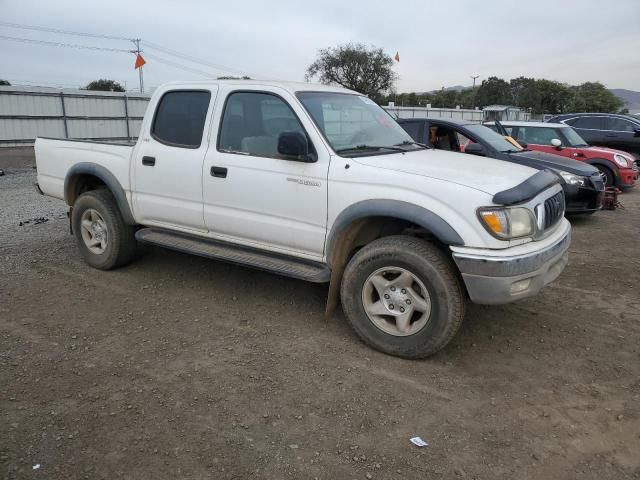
x,y
571,179
507,223
622,160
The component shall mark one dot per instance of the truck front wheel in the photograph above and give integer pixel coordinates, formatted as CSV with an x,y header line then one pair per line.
x,y
402,296
104,239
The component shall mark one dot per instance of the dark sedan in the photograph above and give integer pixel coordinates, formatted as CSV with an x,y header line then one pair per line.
x,y
621,132
582,183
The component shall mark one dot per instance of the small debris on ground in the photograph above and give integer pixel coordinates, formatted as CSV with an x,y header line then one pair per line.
x,y
417,441
35,221
36,466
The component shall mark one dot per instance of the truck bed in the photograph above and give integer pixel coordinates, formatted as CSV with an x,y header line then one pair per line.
x,y
55,157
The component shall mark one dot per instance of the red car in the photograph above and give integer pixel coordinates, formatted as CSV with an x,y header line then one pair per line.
x,y
618,168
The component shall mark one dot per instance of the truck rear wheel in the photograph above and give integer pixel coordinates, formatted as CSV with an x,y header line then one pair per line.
x,y
104,239
402,296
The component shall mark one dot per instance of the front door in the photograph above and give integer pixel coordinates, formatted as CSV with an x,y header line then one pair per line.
x,y
253,194
167,180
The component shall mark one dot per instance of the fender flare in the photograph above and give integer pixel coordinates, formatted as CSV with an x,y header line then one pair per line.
x,y
108,178
395,209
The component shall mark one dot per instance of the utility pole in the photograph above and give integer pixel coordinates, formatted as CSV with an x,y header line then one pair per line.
x,y
473,90
137,51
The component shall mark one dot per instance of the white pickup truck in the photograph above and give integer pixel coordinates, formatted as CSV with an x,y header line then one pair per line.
x,y
321,184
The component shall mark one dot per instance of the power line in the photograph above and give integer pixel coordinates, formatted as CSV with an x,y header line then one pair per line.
x,y
155,46
179,66
189,58
63,32
59,44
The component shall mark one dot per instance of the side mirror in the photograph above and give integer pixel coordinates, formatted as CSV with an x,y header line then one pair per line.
x,y
636,132
475,149
557,144
294,144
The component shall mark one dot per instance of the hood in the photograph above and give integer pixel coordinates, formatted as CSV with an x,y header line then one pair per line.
x,y
480,173
548,160
605,152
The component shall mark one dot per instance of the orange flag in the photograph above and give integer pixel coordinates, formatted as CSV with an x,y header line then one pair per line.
x,y
397,57
139,61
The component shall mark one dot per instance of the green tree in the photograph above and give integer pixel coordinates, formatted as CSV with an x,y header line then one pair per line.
x,y
493,91
354,66
5,83
554,97
593,97
104,85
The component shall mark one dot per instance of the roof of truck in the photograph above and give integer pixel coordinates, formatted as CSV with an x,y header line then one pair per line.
x,y
290,86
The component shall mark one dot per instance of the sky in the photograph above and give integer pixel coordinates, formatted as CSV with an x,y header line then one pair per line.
x,y
440,43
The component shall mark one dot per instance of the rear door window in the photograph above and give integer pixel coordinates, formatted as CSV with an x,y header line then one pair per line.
x,y
180,118
590,123
619,124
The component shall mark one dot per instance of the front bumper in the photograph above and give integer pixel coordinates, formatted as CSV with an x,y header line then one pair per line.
x,y
494,280
583,199
626,177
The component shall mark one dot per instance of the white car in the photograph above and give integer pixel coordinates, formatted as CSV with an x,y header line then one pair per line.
x,y
321,184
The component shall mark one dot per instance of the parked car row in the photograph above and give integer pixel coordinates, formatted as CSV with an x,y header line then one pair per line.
x,y
585,170
618,168
582,184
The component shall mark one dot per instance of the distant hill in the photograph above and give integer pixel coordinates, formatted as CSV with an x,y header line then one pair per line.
x,y
630,98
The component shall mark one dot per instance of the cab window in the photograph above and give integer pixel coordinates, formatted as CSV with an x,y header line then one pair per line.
x,y
252,123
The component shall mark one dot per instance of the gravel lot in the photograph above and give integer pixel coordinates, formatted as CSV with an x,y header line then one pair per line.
x,y
179,367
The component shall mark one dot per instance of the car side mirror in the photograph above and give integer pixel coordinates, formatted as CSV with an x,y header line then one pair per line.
x,y
636,132
475,149
294,145
557,144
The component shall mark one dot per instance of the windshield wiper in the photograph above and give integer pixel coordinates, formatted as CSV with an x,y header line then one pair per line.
x,y
407,142
370,147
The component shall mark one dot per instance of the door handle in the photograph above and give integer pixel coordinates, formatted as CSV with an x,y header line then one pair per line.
x,y
149,161
219,172
611,135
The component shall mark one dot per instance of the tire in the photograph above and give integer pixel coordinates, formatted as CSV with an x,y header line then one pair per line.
x,y
430,270
607,175
98,207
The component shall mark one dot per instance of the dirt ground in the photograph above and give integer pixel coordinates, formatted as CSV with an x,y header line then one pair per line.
x,y
179,367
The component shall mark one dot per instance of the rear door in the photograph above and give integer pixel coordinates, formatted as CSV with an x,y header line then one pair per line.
x,y
167,171
621,134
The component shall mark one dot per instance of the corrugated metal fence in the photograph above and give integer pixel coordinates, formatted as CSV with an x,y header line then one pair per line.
x,y
28,112
422,112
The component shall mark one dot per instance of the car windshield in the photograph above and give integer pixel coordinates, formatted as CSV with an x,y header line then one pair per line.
x,y
494,139
573,138
355,124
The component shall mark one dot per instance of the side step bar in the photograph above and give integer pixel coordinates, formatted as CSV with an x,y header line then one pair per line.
x,y
216,250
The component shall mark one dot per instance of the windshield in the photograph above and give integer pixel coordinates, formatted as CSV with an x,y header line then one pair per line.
x,y
494,139
573,138
354,124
